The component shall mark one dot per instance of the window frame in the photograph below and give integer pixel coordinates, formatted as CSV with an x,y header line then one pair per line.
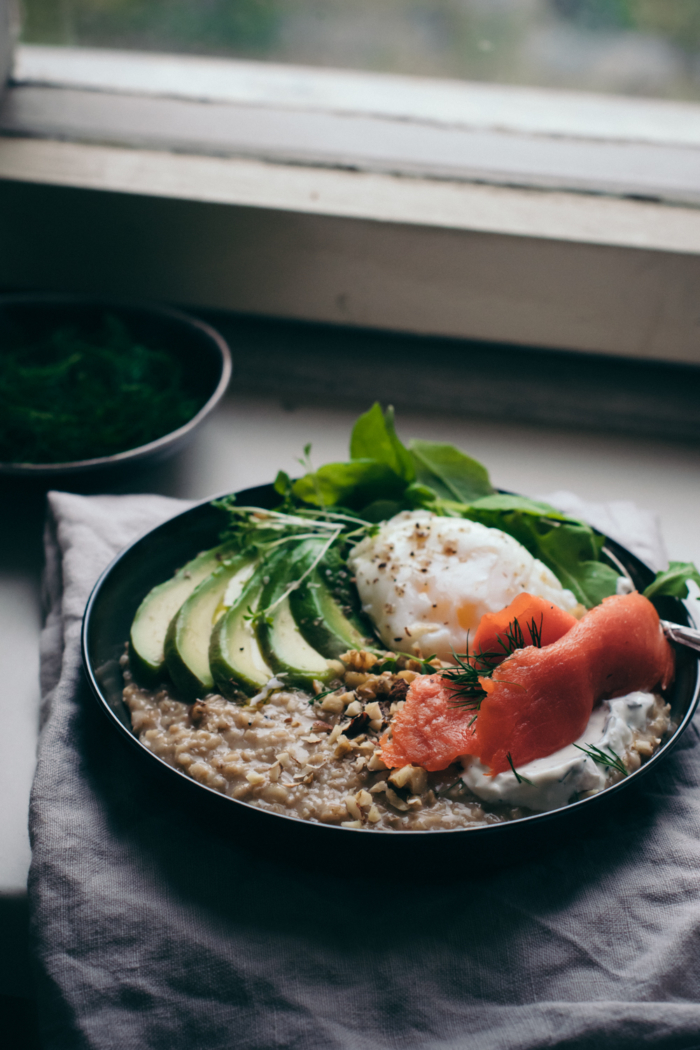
x,y
332,237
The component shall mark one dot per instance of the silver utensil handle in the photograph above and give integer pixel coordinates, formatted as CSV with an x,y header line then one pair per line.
x,y
687,636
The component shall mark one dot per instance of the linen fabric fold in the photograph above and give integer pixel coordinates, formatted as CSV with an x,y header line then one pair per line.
x,y
152,929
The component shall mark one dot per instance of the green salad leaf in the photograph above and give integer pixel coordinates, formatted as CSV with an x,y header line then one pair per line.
x,y
448,472
384,477
353,485
374,481
374,438
672,582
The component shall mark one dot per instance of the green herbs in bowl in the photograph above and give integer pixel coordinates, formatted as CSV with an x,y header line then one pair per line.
x,y
82,385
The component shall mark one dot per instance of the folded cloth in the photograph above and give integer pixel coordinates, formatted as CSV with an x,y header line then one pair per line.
x,y
151,930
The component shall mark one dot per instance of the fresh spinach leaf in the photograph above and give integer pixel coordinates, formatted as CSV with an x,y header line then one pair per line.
x,y
672,582
381,510
352,485
504,501
374,437
448,472
384,477
283,483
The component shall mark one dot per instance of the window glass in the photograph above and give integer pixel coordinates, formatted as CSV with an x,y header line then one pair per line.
x,y
636,47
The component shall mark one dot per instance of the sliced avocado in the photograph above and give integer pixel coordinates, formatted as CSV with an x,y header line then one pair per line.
x,y
189,633
237,665
327,609
328,626
153,616
281,641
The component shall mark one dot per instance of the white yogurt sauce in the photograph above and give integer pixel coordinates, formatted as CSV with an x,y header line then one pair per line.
x,y
561,775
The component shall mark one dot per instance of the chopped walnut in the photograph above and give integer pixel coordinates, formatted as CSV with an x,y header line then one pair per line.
x,y
356,726
334,704
396,802
398,690
359,659
342,747
413,778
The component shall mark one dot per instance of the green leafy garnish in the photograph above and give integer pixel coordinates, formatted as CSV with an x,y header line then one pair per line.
x,y
74,396
384,477
374,438
449,473
672,582
610,761
354,485
518,776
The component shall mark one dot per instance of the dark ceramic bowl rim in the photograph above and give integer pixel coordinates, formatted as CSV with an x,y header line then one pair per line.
x,y
490,830
140,451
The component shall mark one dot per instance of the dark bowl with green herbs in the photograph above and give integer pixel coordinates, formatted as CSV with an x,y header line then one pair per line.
x,y
155,557
89,384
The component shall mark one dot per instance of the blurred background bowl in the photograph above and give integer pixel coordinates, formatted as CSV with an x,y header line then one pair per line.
x,y
203,355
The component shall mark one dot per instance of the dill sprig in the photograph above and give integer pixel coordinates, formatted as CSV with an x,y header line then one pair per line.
x,y
518,776
467,689
514,638
603,759
464,678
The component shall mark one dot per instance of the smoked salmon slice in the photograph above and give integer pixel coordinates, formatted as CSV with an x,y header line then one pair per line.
x,y
539,621
538,700
430,731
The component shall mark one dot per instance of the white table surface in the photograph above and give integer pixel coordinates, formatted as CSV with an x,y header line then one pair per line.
x,y
246,442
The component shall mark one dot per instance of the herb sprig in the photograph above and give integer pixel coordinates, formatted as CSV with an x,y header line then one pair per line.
x,y
266,531
603,759
467,689
518,776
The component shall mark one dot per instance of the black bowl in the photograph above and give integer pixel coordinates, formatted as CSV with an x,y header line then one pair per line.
x,y
157,555
200,350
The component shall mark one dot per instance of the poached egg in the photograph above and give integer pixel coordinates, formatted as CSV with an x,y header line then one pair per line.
x,y
426,580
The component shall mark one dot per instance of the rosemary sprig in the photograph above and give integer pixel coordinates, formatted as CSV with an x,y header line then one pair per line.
x,y
603,759
518,776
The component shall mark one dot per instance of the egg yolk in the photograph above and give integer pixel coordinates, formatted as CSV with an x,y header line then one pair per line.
x,y
467,616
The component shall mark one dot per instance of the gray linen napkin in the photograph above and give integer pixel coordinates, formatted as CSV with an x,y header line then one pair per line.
x,y
152,931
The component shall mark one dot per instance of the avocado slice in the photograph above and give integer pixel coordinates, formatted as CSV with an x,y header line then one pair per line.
x,y
281,641
188,636
328,624
153,616
237,665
